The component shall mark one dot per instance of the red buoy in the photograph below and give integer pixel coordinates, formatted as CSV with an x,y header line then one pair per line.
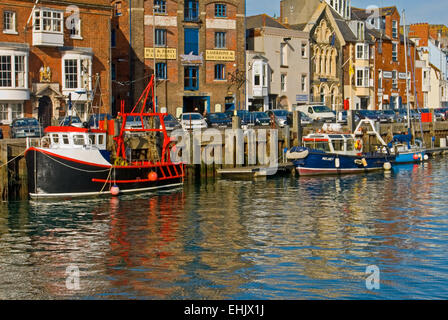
x,y
152,176
115,190
416,156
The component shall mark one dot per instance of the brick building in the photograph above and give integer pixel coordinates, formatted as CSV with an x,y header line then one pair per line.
x,y
389,65
50,51
431,47
198,53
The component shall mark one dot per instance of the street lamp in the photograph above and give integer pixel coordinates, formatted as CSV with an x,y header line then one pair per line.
x,y
154,9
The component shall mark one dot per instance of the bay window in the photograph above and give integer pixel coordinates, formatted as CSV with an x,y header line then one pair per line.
x,y
13,70
362,77
77,74
10,111
48,28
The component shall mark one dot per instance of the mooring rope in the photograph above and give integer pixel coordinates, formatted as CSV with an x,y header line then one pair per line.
x,y
5,164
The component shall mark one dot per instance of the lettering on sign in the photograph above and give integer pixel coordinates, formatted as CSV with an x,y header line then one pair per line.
x,y
161,53
220,55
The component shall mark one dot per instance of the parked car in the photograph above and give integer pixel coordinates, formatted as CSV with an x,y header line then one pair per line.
x,y
440,114
218,119
243,114
73,121
262,119
385,116
367,114
318,112
26,127
193,120
171,123
280,116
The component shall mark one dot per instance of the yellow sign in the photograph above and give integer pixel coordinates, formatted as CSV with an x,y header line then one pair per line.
x,y
161,53
220,55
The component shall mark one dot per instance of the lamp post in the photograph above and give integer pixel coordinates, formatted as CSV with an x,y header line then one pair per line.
x,y
155,7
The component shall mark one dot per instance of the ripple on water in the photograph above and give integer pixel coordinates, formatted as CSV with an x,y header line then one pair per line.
x,y
283,238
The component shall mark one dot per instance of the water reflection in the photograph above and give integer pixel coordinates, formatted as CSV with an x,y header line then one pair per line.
x,y
283,238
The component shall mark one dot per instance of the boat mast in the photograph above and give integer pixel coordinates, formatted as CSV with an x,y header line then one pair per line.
x,y
407,78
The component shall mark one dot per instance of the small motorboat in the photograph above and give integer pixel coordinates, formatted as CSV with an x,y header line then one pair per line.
x,y
406,152
325,153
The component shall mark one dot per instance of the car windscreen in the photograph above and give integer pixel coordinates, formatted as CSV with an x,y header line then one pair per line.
x,y
320,109
191,116
26,122
260,115
281,113
218,116
169,118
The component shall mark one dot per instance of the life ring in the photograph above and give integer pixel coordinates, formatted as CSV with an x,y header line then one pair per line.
x,y
358,144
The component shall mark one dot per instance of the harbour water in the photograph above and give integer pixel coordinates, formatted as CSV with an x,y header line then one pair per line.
x,y
283,238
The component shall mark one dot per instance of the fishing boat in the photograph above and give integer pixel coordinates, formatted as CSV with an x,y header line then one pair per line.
x,y
75,162
325,153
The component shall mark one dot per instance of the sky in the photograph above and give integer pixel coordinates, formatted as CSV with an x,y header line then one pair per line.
x,y
432,11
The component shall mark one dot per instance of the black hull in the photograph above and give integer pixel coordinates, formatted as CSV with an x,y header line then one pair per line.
x,y
52,176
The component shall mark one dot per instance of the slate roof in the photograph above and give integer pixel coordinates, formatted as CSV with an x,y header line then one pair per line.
x,y
263,20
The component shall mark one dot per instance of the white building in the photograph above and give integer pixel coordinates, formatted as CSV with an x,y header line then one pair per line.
x,y
278,70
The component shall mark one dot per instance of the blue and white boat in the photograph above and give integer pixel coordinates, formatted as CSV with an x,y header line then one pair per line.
x,y
406,152
337,153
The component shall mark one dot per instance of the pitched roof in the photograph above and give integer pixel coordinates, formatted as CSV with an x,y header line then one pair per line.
x,y
263,20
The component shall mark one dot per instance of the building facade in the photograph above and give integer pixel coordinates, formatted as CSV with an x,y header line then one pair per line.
x,y
195,48
278,71
52,52
391,65
431,46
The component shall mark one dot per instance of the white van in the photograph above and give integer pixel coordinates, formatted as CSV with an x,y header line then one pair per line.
x,y
318,112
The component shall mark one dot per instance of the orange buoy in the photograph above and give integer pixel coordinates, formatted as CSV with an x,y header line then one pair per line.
x,y
152,176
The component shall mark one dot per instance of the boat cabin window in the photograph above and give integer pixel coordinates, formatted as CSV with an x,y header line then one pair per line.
x,y
78,140
338,145
65,139
101,139
92,139
318,145
55,138
350,145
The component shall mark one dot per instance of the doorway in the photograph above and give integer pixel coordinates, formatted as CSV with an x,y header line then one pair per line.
x,y
197,104
45,113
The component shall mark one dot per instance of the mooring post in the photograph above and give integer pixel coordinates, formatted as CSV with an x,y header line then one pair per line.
x,y
351,121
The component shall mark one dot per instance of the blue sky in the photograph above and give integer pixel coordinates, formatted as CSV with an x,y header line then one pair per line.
x,y
433,11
